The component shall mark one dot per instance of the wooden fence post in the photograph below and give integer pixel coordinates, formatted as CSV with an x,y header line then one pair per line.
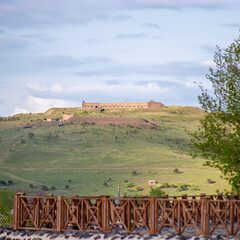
x,y
59,213
152,217
204,216
15,212
105,214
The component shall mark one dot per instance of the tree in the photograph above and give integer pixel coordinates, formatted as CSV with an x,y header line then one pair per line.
x,y
218,136
155,192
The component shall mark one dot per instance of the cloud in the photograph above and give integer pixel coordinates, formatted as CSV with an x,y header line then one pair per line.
x,y
94,40
129,36
39,37
209,63
28,13
19,110
35,104
209,49
85,91
122,18
59,61
152,25
178,4
37,86
12,44
166,69
40,100
234,25
55,12
112,82
68,61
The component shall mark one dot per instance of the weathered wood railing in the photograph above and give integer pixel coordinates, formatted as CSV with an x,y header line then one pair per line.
x,y
205,214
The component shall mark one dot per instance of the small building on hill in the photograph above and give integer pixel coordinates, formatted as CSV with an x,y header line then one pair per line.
x,y
51,119
96,105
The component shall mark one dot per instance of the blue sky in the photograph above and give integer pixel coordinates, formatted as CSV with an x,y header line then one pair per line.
x,y
56,53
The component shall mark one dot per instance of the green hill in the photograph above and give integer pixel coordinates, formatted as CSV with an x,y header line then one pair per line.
x,y
86,159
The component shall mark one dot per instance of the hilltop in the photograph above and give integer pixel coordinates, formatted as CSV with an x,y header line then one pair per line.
x,y
93,155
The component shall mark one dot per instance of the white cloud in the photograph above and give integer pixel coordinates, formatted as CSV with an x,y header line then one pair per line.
x,y
209,63
35,104
37,86
19,110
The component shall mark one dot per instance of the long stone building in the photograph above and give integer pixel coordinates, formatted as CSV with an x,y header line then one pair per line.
x,y
96,105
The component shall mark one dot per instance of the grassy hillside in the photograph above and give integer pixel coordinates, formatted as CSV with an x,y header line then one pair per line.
x,y
93,160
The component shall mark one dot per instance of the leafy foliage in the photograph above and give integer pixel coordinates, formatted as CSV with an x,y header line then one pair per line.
x,y
218,137
156,192
6,204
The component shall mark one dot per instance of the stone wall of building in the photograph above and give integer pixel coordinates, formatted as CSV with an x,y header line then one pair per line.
x,y
95,105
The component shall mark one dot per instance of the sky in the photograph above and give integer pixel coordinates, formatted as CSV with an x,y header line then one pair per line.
x,y
57,53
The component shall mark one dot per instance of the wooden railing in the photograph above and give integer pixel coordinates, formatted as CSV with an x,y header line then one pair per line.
x,y
204,214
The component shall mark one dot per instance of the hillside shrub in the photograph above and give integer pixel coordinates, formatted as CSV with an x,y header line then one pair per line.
x,y
129,184
31,135
23,141
134,173
138,188
105,184
209,180
3,183
182,187
44,188
165,185
66,187
176,170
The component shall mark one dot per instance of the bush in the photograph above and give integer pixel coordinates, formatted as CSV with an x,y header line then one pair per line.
x,y
31,135
129,184
10,182
134,172
138,188
53,188
176,170
105,184
31,186
22,141
165,185
3,183
182,187
155,192
209,180
44,188
6,204
66,187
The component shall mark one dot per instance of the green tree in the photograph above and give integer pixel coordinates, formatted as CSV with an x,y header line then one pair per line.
x,y
156,192
218,137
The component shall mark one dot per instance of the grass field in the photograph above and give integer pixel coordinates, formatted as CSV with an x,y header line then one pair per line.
x,y
94,160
